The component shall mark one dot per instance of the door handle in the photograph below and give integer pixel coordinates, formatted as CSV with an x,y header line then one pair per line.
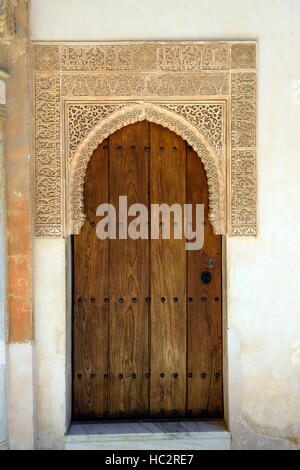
x,y
206,277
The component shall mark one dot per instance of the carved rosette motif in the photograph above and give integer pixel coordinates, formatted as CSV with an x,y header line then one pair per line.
x,y
84,92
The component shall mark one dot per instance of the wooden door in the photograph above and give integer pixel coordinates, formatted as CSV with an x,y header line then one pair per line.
x,y
147,330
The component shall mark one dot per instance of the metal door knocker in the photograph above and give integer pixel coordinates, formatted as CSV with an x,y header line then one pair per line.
x,y
206,277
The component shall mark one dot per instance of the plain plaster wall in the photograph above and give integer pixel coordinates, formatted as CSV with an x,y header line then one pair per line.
x,y
51,342
263,273
21,378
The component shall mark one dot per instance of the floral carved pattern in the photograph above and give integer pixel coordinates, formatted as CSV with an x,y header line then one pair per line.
x,y
133,84
153,113
84,92
243,185
82,118
243,156
207,118
146,56
47,171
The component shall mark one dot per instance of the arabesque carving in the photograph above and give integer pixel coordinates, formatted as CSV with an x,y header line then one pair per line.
x,y
208,118
146,56
82,118
84,92
153,113
145,84
48,161
243,154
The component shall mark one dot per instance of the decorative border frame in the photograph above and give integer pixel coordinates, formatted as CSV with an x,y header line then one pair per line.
x,y
204,91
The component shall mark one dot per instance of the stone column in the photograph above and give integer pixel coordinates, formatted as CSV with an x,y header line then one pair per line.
x,y
6,35
3,283
20,365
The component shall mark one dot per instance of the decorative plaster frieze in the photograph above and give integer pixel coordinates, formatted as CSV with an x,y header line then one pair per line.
x,y
146,57
141,84
84,92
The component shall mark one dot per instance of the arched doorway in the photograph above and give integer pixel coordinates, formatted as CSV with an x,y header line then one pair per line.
x,y
147,336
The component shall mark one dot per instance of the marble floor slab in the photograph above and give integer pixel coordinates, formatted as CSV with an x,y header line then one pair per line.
x,y
149,435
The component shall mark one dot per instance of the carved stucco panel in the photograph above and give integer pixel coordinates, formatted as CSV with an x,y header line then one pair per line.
x,y
208,118
82,118
243,192
146,56
145,84
47,165
153,113
145,72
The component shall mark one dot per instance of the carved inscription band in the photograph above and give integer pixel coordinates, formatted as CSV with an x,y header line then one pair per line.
x,y
204,91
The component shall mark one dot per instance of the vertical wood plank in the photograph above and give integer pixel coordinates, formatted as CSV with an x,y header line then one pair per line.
x,y
129,278
90,330
113,338
204,312
168,280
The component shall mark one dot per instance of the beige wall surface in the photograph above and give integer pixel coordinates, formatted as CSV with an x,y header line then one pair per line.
x,y
263,273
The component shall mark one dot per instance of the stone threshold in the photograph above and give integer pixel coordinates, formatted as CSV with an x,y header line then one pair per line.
x,y
149,435
4,445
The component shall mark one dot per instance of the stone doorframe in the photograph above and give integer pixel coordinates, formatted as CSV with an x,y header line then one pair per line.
x,y
82,92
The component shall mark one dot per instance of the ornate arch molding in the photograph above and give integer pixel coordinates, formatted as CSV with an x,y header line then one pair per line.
x,y
203,91
130,114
